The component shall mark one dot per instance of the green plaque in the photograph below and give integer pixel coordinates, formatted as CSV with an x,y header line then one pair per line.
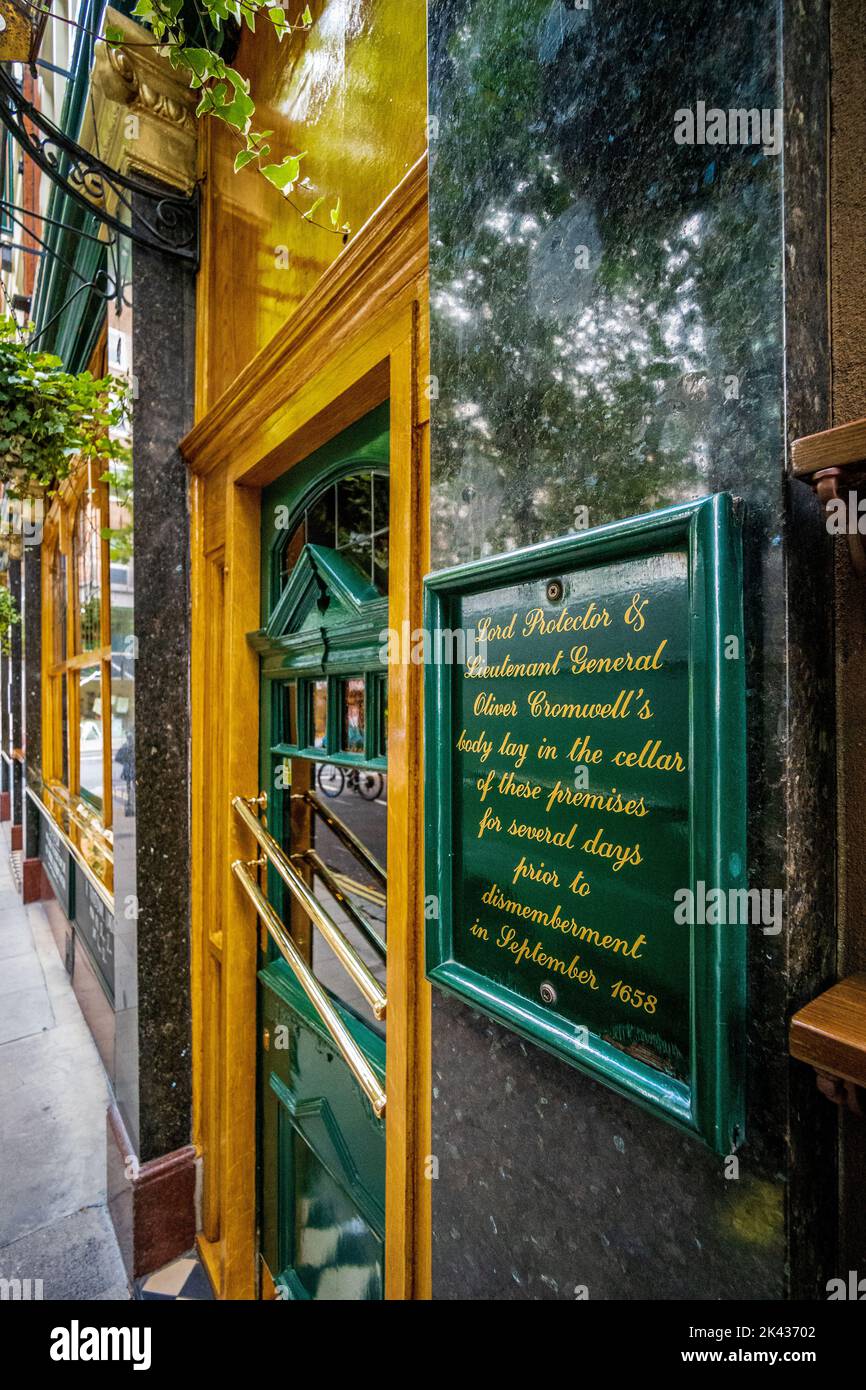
x,y
585,795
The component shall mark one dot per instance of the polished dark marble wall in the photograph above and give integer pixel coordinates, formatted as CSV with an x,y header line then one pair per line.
x,y
16,723
32,696
154,1088
609,315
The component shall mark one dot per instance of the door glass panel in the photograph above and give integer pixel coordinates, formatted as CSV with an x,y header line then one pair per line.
x,y
90,734
320,713
353,716
321,519
360,802
290,713
350,516
383,718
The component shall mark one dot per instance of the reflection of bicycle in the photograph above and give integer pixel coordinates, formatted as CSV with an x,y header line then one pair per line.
x,y
333,779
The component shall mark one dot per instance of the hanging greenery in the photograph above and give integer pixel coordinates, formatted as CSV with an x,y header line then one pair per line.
x,y
225,93
9,617
50,418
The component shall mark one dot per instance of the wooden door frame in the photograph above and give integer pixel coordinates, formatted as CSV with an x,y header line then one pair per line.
x,y
360,337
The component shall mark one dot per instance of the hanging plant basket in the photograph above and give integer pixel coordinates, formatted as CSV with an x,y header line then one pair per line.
x,y
50,419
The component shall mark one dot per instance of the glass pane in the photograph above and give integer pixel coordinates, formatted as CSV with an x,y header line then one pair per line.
x,y
58,594
320,519
353,716
354,509
290,713
90,734
64,733
380,563
122,750
383,719
87,556
380,501
291,550
320,713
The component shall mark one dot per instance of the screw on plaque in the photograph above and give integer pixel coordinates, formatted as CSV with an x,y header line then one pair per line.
x,y
548,993
555,590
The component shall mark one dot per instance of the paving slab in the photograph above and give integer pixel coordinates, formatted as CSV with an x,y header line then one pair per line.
x,y
54,1093
76,1258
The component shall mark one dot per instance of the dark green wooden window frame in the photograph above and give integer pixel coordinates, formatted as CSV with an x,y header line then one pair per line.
x,y
374,754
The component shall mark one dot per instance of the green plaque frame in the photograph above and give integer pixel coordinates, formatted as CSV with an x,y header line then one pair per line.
x,y
710,1103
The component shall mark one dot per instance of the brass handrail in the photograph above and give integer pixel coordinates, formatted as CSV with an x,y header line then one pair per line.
x,y
348,837
361,920
338,942
343,1040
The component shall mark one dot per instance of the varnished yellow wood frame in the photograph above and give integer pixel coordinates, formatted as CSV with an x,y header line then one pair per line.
x,y
89,830
360,337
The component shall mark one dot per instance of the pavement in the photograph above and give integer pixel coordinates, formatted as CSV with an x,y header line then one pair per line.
x,y
54,1222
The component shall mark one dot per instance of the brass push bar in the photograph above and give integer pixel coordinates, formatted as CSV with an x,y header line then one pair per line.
x,y
334,887
348,838
343,1040
339,944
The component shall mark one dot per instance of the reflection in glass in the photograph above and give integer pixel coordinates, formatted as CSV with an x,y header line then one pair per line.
x,y
64,733
122,752
90,734
355,518
321,519
631,285
88,544
58,604
383,718
350,516
290,552
320,713
290,713
353,718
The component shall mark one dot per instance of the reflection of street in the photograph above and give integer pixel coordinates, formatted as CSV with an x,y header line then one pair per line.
x,y
367,820
123,771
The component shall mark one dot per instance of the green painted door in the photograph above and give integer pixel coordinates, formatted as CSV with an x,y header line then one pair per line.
x,y
323,762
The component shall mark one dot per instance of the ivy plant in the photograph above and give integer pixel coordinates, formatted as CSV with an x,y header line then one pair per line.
x,y
9,617
225,93
50,418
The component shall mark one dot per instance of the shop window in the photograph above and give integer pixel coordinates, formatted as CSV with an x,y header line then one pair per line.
x,y
77,669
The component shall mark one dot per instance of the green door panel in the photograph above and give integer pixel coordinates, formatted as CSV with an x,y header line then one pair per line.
x,y
324,603
323,1153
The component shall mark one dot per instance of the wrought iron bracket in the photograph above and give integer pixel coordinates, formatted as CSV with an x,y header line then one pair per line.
x,y
130,206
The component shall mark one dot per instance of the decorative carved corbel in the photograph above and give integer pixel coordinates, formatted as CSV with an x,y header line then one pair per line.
x,y
142,119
